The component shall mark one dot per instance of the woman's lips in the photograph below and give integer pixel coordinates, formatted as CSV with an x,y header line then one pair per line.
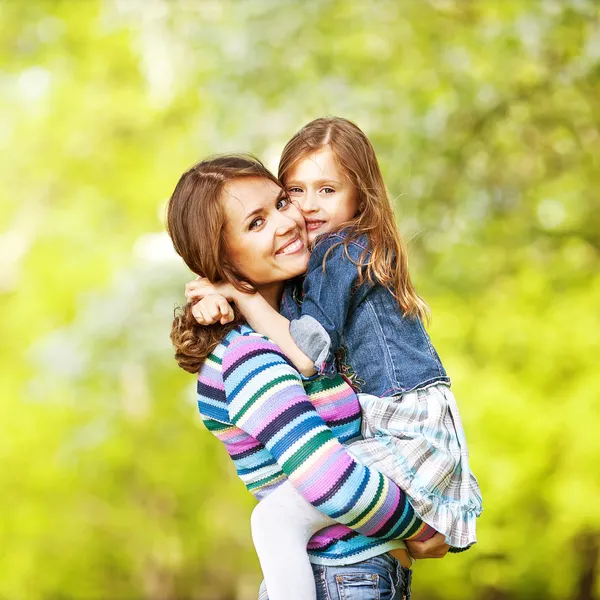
x,y
312,225
295,245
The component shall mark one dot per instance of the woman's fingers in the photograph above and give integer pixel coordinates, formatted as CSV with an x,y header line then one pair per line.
x,y
434,547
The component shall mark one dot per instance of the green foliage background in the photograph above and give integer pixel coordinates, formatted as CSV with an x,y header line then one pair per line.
x,y
486,119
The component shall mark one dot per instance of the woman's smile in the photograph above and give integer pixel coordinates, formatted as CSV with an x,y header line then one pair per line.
x,y
293,246
265,232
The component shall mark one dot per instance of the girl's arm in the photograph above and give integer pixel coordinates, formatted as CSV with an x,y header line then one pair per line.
x,y
213,306
262,317
265,398
331,288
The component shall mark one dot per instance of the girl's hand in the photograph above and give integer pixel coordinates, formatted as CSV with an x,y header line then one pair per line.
x,y
199,288
211,309
435,547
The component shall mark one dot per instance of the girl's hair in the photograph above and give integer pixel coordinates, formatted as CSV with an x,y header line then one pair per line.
x,y
355,156
195,222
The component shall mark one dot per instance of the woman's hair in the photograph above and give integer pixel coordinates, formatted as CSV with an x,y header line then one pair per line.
x,y
355,156
195,222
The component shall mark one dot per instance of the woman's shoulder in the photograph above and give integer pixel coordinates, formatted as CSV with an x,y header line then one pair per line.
x,y
239,331
240,334
243,340
248,355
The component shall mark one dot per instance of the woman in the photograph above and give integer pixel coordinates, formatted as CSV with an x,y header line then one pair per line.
x,y
230,221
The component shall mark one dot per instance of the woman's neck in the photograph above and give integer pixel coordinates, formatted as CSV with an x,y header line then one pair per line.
x,y
272,293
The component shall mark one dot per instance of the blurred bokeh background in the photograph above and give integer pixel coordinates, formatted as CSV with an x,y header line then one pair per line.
x,y
486,119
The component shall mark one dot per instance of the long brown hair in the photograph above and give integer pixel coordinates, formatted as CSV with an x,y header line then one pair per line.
x,y
195,222
355,156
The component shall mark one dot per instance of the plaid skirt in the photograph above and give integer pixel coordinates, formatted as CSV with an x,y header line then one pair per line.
x,y
417,440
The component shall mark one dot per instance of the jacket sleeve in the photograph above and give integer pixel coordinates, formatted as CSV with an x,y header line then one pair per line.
x,y
265,398
330,291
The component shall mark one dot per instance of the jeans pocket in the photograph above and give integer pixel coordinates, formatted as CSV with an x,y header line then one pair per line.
x,y
358,586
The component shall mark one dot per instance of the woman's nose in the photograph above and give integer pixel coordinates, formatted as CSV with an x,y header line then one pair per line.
x,y
284,224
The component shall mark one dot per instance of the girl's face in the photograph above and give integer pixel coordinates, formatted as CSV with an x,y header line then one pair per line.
x,y
325,195
264,231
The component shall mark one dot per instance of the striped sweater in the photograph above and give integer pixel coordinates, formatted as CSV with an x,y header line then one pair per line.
x,y
252,399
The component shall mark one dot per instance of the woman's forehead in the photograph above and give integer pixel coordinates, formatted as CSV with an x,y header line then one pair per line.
x,y
251,189
243,196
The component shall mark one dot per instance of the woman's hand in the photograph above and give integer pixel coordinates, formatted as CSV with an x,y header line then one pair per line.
x,y
434,547
212,309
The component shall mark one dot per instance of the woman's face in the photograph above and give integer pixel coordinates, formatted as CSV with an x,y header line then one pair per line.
x,y
265,232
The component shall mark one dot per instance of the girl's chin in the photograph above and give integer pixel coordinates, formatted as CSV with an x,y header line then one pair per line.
x,y
313,235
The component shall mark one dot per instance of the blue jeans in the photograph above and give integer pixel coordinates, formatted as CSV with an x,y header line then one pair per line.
x,y
378,578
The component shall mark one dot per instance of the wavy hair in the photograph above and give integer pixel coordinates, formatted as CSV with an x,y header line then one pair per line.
x,y
355,157
195,220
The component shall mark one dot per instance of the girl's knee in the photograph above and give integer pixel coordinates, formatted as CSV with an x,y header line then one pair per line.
x,y
268,515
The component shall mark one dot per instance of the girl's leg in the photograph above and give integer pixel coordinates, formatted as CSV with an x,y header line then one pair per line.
x,y
262,591
282,524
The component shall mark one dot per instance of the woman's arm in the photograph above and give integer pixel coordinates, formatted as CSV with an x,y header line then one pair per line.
x,y
266,399
434,547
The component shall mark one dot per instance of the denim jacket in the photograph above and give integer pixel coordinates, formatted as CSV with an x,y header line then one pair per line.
x,y
359,331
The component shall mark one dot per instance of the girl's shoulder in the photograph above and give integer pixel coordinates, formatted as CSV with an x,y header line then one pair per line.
x,y
348,236
345,245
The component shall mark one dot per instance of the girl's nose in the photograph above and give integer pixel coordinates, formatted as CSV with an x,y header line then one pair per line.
x,y
307,203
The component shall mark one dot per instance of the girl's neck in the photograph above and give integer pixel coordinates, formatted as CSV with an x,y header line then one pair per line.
x,y
272,293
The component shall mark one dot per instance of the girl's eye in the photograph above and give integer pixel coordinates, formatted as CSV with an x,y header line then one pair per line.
x,y
328,190
256,223
282,202
295,190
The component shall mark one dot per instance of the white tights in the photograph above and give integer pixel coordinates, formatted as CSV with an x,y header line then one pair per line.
x,y
282,524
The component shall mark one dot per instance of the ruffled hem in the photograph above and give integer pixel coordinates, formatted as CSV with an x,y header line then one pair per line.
x,y
455,522
454,519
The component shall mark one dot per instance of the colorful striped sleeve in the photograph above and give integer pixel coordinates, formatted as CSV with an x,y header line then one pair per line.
x,y
265,398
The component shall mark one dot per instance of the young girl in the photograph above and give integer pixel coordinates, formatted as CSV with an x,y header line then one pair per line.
x,y
356,312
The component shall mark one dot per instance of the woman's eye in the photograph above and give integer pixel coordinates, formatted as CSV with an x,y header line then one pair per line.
x,y
328,190
282,202
295,190
256,223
